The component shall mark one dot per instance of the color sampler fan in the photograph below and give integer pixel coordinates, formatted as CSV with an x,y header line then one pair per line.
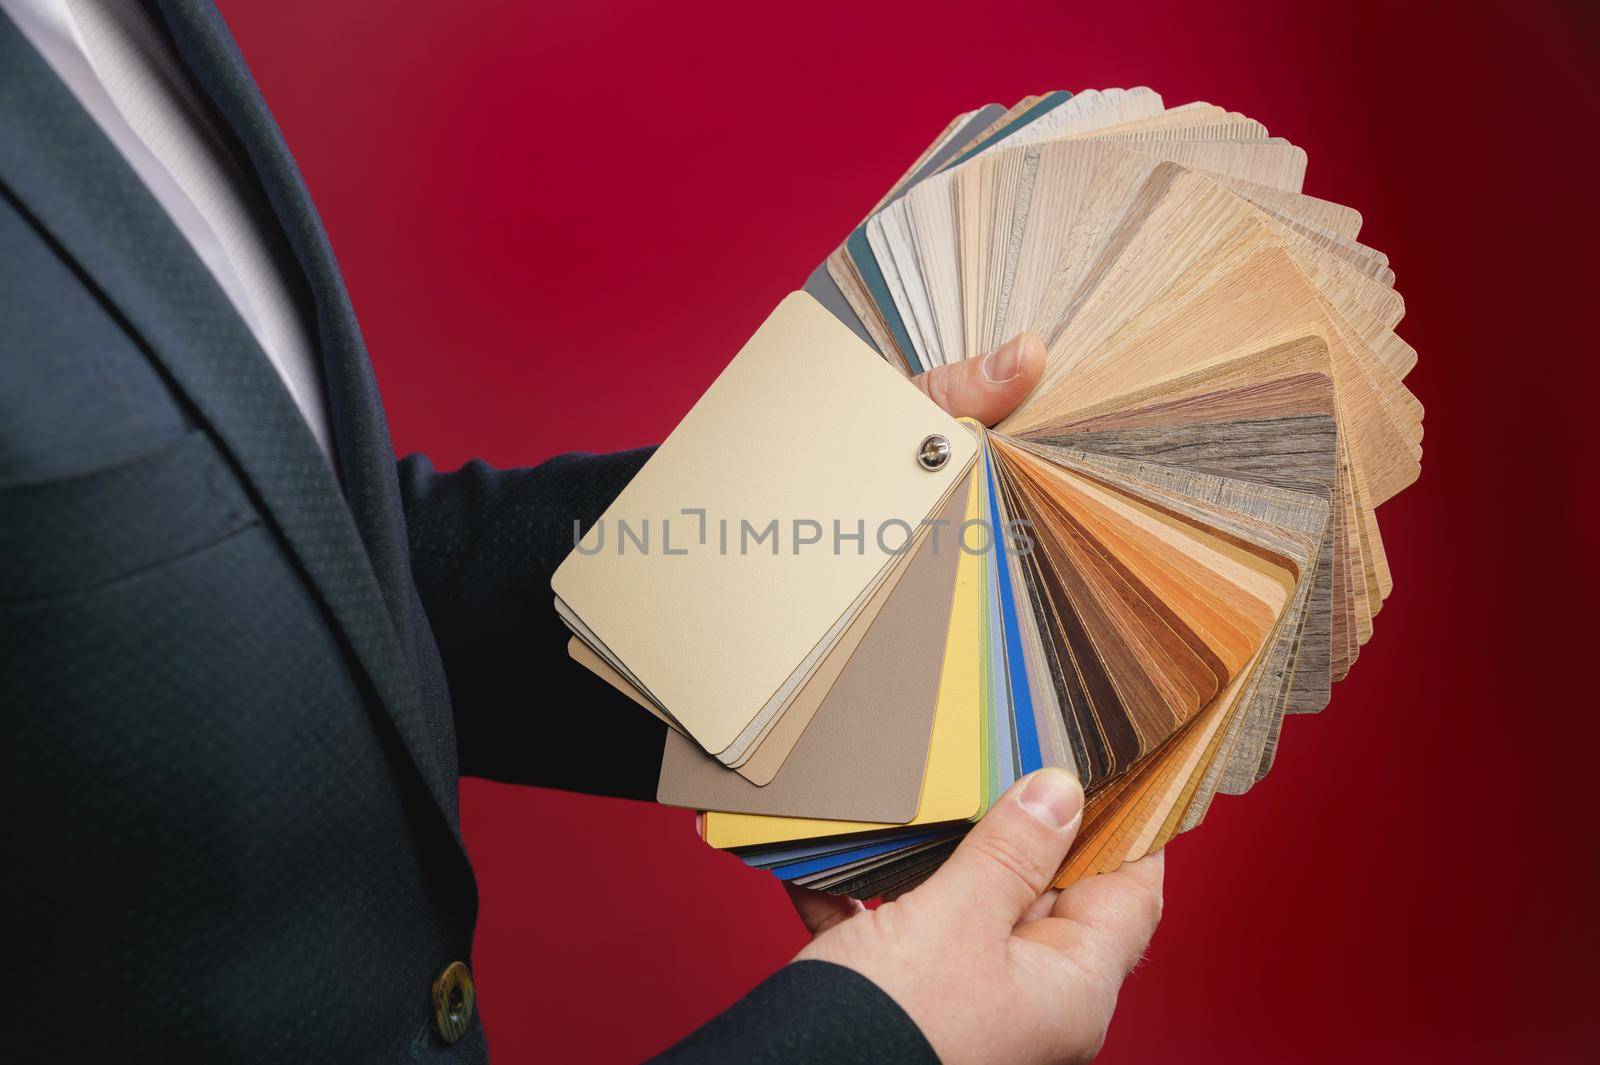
x,y
863,620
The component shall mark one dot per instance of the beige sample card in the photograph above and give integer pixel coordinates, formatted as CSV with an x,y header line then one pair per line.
x,y
804,434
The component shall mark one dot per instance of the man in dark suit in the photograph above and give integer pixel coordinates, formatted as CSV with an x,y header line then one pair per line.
x,y
245,655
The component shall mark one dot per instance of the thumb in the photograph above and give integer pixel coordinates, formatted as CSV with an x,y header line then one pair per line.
x,y
989,388
1008,860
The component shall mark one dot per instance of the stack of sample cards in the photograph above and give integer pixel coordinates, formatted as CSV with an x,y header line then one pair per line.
x,y
863,620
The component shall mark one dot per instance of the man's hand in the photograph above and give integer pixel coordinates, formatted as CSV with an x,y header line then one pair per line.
x,y
990,964
989,388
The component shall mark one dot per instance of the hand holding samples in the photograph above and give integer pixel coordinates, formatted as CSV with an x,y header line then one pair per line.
x,y
864,619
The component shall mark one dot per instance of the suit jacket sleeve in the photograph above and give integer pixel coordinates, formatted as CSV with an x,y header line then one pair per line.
x,y
484,544
809,1011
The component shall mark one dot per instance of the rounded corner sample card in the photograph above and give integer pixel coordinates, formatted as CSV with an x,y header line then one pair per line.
x,y
775,505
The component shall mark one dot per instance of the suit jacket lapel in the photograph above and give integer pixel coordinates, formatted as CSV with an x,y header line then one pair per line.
x,y
366,454
63,173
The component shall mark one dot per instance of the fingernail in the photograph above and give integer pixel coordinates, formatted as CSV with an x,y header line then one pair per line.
x,y
1004,362
1053,796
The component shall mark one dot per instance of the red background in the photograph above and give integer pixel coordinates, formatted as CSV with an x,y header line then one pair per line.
x,y
559,223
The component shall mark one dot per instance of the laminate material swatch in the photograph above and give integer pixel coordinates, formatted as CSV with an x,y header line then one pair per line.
x,y
1142,574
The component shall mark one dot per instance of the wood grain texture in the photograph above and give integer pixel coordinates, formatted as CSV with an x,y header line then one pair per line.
x,y
1222,411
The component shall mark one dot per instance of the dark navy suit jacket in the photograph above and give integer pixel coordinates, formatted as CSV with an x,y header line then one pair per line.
x,y
236,694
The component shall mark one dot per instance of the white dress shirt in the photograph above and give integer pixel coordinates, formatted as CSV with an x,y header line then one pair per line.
x,y
118,62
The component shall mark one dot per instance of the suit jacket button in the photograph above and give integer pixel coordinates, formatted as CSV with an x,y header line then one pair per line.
x,y
452,1002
